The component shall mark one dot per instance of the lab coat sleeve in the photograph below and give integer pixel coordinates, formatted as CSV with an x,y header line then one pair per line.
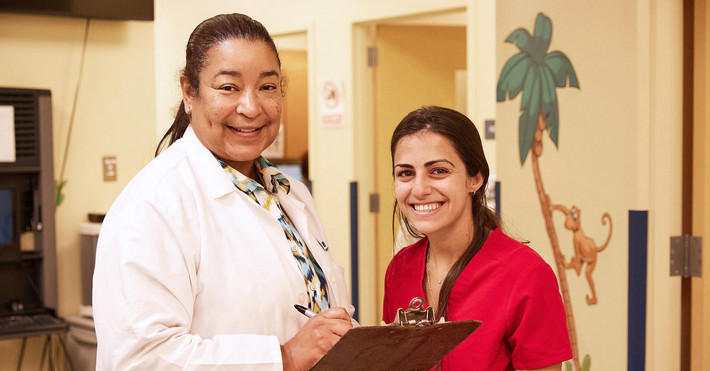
x,y
144,293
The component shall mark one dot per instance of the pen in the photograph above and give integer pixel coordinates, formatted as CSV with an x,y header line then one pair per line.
x,y
305,311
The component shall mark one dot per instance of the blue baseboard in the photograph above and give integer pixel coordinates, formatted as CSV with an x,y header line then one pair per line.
x,y
638,255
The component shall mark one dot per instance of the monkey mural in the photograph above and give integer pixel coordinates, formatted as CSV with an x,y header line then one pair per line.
x,y
585,249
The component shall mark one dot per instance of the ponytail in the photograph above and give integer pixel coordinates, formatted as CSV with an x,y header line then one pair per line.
x,y
176,131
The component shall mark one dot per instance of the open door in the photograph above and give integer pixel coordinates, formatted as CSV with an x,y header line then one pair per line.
x,y
413,62
290,150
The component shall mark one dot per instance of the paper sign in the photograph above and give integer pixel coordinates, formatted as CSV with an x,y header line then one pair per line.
x,y
331,103
7,134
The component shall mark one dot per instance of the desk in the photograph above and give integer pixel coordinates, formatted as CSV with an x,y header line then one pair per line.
x,y
53,349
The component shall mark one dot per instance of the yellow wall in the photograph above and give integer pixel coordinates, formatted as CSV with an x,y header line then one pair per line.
x,y
416,66
619,150
619,141
700,320
115,116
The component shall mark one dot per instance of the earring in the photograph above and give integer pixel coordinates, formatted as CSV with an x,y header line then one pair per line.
x,y
473,193
187,110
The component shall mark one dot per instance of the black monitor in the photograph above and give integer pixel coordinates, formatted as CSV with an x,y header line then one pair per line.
x,y
7,216
294,167
16,208
19,257
109,9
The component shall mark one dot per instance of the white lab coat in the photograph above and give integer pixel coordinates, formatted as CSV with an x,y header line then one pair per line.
x,y
193,275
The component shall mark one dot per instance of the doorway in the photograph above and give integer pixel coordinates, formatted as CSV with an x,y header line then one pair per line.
x,y
411,61
290,150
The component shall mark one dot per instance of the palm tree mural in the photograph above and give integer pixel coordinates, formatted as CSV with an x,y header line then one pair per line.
x,y
537,73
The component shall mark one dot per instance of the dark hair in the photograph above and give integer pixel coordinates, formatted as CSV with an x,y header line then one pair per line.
x,y
463,135
207,34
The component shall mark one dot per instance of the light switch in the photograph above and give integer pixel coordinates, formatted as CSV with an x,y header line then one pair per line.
x,y
109,168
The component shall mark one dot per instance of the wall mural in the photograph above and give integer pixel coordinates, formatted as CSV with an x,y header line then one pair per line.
x,y
537,73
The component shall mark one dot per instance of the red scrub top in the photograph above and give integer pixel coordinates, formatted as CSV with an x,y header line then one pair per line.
x,y
508,287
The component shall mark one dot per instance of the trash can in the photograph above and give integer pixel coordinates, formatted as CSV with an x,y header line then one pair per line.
x,y
89,236
80,342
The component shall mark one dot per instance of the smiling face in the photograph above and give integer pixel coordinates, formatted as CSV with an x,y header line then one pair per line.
x,y
236,111
432,187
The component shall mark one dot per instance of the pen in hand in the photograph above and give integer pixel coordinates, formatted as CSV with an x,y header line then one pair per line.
x,y
305,311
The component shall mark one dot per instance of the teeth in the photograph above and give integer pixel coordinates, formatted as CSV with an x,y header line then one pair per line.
x,y
248,130
426,207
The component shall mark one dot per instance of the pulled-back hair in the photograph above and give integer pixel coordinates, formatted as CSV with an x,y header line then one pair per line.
x,y
464,137
207,34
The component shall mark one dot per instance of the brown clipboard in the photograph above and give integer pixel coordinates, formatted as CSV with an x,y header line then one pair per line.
x,y
405,346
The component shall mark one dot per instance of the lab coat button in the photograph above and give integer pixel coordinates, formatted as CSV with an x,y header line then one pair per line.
x,y
312,287
302,298
294,248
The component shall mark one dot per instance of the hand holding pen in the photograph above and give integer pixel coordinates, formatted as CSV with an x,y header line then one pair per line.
x,y
315,338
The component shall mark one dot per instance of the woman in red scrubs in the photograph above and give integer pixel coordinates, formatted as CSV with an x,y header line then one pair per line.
x,y
464,265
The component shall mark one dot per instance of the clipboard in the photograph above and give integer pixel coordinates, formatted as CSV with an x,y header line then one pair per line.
x,y
414,341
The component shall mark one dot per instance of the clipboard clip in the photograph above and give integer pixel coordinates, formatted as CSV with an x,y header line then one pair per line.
x,y
415,315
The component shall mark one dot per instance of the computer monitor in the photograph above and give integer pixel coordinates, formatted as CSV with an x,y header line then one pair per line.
x,y
6,216
15,214
292,167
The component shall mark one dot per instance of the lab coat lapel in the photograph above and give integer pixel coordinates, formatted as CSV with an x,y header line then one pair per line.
x,y
207,169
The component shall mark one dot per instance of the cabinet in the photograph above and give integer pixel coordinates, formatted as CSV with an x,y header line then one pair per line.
x,y
28,269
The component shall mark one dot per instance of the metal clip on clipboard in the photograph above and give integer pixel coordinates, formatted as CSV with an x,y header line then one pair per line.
x,y
415,315
398,346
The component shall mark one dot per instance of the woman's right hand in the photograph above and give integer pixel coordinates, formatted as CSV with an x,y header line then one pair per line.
x,y
315,339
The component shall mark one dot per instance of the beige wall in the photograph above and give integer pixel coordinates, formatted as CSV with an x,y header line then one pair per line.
x,y
700,320
619,150
115,116
619,146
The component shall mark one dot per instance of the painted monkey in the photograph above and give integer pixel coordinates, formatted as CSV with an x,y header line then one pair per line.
x,y
585,249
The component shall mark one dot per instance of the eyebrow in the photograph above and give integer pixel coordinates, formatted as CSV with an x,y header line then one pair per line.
x,y
427,164
239,74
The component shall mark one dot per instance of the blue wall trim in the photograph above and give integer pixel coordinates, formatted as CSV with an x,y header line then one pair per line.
x,y
354,248
638,246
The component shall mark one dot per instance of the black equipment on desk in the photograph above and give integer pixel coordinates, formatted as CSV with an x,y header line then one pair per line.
x,y
30,324
28,259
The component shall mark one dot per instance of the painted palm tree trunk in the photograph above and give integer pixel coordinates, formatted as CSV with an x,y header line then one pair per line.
x,y
545,204
536,74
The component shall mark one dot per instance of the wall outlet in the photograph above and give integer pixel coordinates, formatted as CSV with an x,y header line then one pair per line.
x,y
109,163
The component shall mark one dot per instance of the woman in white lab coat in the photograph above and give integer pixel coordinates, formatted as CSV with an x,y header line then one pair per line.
x,y
203,255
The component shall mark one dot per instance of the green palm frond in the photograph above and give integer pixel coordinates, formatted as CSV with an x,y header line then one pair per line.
x,y
542,36
529,105
512,76
561,69
520,38
536,74
548,107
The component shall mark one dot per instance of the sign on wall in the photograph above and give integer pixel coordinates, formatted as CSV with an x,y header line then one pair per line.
x,y
331,103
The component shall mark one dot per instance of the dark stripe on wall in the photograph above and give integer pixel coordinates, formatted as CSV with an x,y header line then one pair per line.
x,y
638,245
354,248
